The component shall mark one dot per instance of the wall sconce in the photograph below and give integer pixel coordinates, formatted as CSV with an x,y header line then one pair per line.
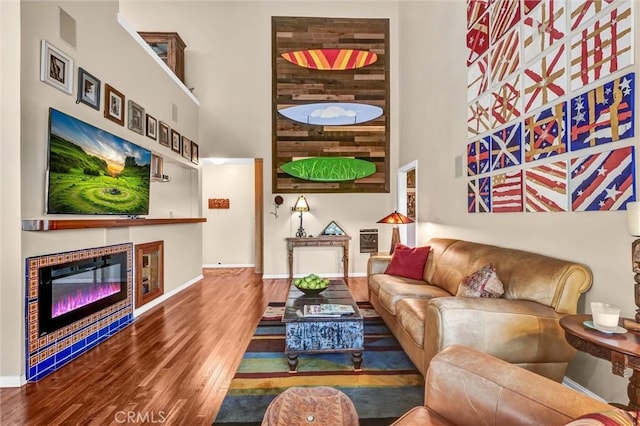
x,y
276,203
395,219
301,206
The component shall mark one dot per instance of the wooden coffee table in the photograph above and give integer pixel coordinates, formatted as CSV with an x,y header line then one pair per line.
x,y
326,334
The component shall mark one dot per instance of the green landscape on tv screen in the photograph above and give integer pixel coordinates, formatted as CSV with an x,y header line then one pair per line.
x,y
94,172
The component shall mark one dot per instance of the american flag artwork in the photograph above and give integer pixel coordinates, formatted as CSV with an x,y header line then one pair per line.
x,y
583,10
507,103
505,14
604,181
603,47
545,133
478,160
546,188
505,56
478,116
506,190
545,80
475,9
604,114
478,39
477,78
543,27
529,5
506,147
479,195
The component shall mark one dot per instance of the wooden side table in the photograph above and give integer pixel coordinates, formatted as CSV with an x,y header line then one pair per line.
x,y
320,241
623,350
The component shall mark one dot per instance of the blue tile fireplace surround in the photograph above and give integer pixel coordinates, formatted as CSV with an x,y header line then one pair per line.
x,y
74,301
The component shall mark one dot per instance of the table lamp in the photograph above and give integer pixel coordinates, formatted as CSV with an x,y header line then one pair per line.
x,y
301,206
395,219
633,221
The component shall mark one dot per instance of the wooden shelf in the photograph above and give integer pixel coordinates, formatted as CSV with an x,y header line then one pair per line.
x,y
62,224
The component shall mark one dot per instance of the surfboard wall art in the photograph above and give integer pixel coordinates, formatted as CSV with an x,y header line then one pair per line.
x,y
331,59
332,113
329,169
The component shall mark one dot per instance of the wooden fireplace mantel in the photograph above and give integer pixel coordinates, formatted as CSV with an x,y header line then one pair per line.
x,y
62,224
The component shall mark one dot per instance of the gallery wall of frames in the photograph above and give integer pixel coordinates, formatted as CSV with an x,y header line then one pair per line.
x,y
551,105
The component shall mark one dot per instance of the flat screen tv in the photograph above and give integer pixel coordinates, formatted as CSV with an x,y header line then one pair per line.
x,y
94,172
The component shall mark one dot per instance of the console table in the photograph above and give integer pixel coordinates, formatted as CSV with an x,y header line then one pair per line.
x,y
622,350
320,241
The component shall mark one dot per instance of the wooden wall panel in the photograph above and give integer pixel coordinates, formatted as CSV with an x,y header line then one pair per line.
x,y
294,85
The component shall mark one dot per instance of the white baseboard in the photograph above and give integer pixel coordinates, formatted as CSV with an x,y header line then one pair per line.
x,y
159,300
228,265
578,387
12,381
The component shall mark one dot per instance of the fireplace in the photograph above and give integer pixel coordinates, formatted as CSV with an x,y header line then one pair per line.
x,y
74,301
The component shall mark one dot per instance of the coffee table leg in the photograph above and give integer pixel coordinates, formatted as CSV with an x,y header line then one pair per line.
x,y
357,360
292,360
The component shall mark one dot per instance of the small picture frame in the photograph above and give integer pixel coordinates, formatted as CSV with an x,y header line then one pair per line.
x,y
113,105
163,136
88,89
186,148
152,127
175,141
156,166
56,67
136,117
333,229
195,156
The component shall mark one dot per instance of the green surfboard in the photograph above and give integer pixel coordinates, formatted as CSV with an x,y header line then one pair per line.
x,y
329,169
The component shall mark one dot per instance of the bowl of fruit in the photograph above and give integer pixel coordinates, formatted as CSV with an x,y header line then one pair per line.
x,y
311,284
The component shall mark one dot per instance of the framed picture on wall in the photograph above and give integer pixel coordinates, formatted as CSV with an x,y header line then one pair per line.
x,y
88,89
56,67
175,141
136,117
186,148
164,135
194,153
113,105
152,127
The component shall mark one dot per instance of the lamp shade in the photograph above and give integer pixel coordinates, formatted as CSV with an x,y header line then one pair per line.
x,y
633,218
395,218
301,205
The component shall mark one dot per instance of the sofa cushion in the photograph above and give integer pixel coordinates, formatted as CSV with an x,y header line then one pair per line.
x,y
391,292
410,316
408,262
482,283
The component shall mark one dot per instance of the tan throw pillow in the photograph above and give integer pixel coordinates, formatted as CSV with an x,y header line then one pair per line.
x,y
482,283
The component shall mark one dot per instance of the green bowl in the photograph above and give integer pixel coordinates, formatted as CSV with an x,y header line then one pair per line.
x,y
311,291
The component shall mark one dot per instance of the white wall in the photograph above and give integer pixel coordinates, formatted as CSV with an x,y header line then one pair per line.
x,y
228,63
433,93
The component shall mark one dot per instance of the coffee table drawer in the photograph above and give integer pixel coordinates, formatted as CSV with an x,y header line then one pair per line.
x,y
324,335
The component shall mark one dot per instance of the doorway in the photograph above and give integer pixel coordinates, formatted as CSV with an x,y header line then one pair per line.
x,y
408,201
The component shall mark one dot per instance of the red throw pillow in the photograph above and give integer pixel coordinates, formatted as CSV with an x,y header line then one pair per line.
x,y
408,262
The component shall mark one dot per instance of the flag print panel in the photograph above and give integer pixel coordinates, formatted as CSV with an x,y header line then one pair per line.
x,y
475,9
506,102
545,80
583,10
545,133
479,195
505,56
478,39
604,181
505,14
506,189
546,188
478,78
603,47
478,116
604,114
478,156
506,147
545,26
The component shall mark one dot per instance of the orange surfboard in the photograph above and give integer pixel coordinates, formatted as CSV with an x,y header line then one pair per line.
x,y
331,59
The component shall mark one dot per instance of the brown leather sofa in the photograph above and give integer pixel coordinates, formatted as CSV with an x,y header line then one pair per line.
x,y
522,327
467,387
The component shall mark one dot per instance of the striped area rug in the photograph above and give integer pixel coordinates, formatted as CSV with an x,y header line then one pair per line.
x,y
387,386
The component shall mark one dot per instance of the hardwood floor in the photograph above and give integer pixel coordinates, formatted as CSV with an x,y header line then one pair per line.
x,y
173,365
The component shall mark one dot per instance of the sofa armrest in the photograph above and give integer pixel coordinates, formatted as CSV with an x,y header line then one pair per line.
x,y
517,331
377,264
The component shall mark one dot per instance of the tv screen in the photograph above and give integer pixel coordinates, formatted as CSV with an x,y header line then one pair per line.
x,y
94,172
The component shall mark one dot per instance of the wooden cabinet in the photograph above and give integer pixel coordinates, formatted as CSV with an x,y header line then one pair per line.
x,y
169,47
149,271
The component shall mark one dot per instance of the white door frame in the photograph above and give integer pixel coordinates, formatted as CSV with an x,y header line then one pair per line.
x,y
408,233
